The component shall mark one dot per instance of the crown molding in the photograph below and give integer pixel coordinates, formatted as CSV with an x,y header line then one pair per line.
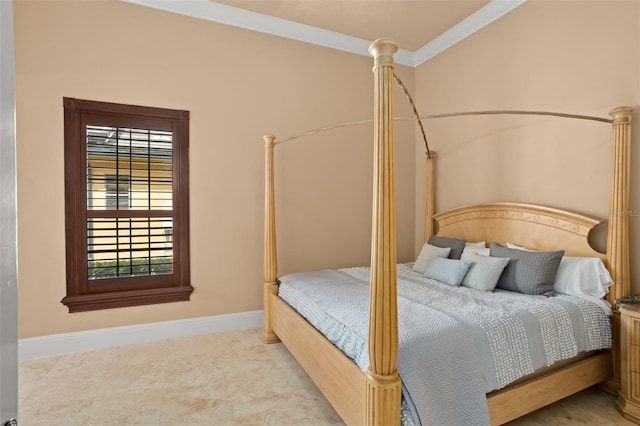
x,y
472,23
241,18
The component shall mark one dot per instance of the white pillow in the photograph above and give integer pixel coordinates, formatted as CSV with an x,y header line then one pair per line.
x,y
447,271
428,251
516,247
585,277
484,272
471,250
478,244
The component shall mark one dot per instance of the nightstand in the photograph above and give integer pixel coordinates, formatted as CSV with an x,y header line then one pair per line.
x,y
628,401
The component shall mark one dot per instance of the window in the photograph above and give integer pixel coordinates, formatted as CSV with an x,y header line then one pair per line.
x,y
127,205
117,190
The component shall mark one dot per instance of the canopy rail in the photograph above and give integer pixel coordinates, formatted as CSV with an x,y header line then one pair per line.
x,y
519,112
416,115
430,155
446,115
322,129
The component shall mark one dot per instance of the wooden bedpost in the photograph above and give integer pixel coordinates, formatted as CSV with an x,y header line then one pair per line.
x,y
430,198
383,382
618,230
270,256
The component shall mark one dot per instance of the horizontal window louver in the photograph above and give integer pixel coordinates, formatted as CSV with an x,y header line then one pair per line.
x,y
129,168
129,247
129,186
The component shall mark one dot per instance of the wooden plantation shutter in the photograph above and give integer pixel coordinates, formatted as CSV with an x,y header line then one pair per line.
x,y
127,205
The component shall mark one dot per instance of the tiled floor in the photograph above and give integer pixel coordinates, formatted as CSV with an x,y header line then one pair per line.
x,y
229,378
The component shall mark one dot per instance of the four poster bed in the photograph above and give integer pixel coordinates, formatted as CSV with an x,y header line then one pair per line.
x,y
359,375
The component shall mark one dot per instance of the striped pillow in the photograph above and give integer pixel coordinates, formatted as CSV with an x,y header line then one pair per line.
x,y
528,272
456,245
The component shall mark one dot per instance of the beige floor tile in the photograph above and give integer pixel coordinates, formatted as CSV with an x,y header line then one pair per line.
x,y
141,353
216,412
83,362
137,407
33,374
37,367
190,346
272,410
137,377
57,412
221,379
197,405
57,389
183,377
257,380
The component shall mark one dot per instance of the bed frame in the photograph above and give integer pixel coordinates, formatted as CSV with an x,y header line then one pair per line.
x,y
373,397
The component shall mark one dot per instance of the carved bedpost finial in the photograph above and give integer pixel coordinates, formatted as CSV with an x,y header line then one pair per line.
x,y
269,139
382,51
621,114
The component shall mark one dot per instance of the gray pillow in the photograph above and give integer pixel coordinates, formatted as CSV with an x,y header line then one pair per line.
x,y
448,271
484,272
528,272
456,245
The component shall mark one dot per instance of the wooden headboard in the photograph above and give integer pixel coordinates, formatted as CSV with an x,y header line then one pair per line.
x,y
461,221
532,226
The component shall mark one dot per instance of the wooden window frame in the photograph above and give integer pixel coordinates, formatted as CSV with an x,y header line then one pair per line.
x,y
82,295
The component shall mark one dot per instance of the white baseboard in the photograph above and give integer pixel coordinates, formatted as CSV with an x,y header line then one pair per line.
x,y
81,341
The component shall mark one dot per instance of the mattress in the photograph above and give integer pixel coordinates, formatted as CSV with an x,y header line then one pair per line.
x,y
455,344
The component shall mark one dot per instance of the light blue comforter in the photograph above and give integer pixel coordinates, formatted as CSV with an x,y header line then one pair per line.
x,y
455,343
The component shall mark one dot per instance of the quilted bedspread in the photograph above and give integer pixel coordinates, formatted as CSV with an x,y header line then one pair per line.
x,y
455,343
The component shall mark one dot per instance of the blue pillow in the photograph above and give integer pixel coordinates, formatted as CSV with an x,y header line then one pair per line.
x,y
447,271
484,272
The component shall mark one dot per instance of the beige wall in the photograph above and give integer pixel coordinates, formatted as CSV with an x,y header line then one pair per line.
x,y
581,57
577,57
238,85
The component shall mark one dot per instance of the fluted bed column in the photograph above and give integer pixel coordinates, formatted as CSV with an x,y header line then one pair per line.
x,y
618,240
270,256
618,231
383,382
430,196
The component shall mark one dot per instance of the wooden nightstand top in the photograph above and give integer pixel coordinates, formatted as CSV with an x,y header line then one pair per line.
x,y
632,309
